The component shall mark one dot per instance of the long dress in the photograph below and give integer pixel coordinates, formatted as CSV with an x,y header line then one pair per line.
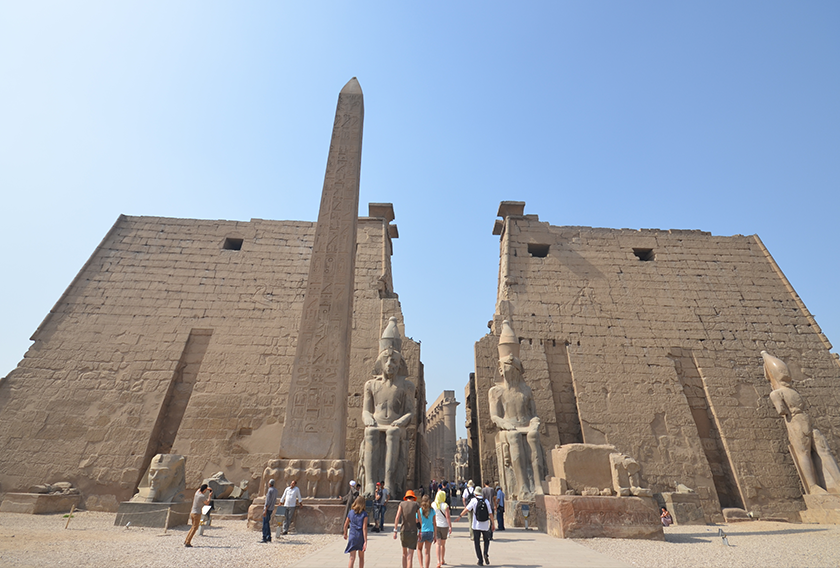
x,y
356,535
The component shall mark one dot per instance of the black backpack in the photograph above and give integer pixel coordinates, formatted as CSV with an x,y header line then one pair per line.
x,y
482,514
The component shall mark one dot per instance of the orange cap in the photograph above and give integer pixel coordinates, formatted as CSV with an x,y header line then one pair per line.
x,y
410,494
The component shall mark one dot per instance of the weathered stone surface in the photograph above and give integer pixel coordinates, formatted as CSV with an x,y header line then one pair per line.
x,y
315,516
222,488
316,414
583,465
821,509
141,514
230,507
647,340
574,516
685,508
735,515
39,503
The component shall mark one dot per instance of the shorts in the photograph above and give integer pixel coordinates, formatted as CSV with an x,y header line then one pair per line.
x,y
442,533
408,539
427,536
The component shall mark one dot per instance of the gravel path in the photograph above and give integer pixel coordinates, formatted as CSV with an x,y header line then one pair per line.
x,y
93,541
752,544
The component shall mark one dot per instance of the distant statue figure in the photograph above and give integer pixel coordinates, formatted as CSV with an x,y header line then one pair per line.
x,y
387,411
272,471
808,446
513,410
335,475
313,478
164,481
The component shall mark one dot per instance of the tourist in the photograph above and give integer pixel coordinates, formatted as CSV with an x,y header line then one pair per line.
x,y
482,526
466,496
356,521
407,519
500,508
290,500
268,510
427,532
380,505
350,498
665,517
199,501
443,526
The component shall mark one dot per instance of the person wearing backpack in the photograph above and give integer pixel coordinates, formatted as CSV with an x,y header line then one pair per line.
x,y
482,525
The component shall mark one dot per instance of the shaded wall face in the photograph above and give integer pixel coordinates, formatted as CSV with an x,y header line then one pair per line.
x,y
177,333
654,338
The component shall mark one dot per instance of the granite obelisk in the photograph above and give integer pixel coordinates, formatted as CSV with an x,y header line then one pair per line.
x,y
315,421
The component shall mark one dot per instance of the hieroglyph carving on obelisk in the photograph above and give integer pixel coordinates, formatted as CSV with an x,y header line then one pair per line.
x,y
316,408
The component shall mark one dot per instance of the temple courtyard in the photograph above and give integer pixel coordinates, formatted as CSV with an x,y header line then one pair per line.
x,y
92,540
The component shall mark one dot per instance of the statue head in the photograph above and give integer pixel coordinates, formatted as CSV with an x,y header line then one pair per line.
x,y
508,342
274,464
390,362
336,464
165,480
776,371
511,369
314,464
294,464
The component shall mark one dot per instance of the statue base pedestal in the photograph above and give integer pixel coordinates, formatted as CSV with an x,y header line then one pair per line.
x,y
576,516
823,509
514,517
153,514
230,509
39,503
685,508
314,516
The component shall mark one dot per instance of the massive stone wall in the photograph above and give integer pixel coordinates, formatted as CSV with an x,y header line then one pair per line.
x,y
649,340
179,335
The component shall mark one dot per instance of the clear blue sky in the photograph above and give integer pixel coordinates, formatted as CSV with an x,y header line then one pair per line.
x,y
721,116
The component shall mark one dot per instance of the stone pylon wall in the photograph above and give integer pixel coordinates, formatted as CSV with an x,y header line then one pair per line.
x,y
649,340
166,338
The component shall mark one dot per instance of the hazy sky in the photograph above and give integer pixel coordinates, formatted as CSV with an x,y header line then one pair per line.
x,y
720,116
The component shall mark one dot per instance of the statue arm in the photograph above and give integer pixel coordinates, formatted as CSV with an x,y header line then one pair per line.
x,y
780,404
535,418
368,407
408,403
496,411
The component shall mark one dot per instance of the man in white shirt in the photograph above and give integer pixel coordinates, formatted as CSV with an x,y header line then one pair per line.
x,y
290,500
482,525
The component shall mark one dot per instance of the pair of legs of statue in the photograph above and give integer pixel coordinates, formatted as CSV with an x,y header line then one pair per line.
x,y
375,436
521,444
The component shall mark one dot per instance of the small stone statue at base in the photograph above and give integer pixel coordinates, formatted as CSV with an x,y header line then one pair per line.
x,y
313,478
335,475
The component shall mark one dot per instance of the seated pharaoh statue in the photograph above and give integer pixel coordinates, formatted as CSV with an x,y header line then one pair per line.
x,y
387,412
514,412
817,466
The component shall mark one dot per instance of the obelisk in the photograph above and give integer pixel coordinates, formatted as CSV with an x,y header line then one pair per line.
x,y
316,411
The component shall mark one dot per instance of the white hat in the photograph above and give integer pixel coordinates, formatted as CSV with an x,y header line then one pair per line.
x,y
352,483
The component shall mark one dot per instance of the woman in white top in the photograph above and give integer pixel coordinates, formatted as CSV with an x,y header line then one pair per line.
x,y
443,526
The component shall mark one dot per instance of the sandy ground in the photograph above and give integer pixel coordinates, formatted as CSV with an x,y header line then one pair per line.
x,y
752,544
93,541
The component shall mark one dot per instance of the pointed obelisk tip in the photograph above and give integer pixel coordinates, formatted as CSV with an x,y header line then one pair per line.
x,y
352,87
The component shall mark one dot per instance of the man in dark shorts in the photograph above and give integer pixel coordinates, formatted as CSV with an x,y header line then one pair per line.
x,y
407,521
